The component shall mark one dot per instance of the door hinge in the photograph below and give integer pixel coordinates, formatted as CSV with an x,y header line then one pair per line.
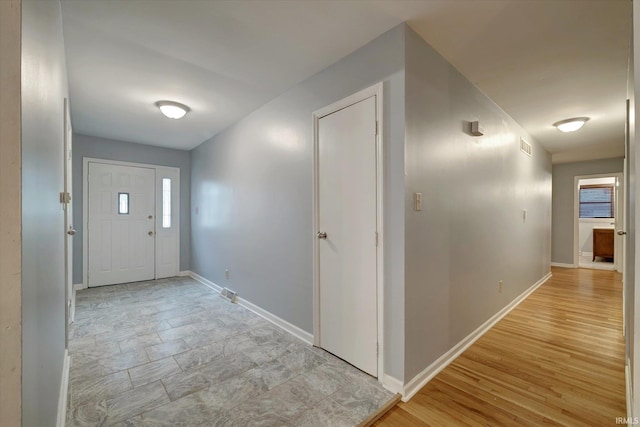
x,y
376,127
65,197
377,349
376,239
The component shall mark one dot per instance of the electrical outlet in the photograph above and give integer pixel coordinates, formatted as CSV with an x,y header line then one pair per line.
x,y
226,274
501,284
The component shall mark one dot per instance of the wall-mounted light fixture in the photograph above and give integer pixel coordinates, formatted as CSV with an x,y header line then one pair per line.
x,y
173,110
571,125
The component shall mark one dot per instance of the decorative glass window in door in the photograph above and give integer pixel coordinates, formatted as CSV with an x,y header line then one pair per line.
x,y
123,203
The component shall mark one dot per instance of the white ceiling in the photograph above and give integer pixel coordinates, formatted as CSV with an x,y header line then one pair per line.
x,y
540,60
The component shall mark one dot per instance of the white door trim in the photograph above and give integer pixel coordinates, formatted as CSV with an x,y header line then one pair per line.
x,y
620,220
68,219
158,208
375,90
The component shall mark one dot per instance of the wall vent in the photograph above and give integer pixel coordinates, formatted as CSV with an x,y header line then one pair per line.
x,y
229,294
525,147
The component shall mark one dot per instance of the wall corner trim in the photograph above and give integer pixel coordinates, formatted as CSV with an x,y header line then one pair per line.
x,y
420,380
64,388
281,323
563,265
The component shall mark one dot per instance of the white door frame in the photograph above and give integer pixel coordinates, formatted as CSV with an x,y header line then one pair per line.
x,y
158,210
375,90
68,218
620,220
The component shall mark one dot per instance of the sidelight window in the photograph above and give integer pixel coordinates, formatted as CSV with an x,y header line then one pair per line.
x,y
166,202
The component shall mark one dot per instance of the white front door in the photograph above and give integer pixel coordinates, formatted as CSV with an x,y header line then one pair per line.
x,y
347,214
121,224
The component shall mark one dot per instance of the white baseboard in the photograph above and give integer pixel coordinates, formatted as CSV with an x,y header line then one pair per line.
x,y
420,380
64,388
392,384
292,329
183,273
563,265
79,286
627,378
206,282
283,324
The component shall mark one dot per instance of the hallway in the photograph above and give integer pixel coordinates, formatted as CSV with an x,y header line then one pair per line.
x,y
556,359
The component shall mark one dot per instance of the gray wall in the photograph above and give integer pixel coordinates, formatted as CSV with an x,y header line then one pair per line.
x,y
109,149
562,223
10,214
44,87
252,193
471,232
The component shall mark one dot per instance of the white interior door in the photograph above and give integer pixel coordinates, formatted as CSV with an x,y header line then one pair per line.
x,y
121,224
347,214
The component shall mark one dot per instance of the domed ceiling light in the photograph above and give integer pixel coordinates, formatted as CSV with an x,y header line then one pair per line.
x,y
571,125
173,110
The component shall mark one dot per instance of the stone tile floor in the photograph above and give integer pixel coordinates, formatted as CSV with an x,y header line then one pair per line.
x,y
172,352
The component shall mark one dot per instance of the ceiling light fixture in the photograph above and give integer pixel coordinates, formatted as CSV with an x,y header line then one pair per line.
x,y
173,110
571,125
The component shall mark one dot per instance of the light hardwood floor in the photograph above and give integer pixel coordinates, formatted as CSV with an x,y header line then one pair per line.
x,y
556,359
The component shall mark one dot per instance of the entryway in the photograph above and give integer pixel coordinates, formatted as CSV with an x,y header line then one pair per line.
x,y
348,224
173,353
132,223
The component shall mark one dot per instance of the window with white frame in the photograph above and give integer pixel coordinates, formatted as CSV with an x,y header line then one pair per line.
x,y
596,201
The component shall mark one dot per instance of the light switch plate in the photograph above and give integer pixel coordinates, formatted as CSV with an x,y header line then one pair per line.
x,y
417,199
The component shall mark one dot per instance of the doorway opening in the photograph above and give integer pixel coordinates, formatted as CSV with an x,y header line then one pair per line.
x,y
598,217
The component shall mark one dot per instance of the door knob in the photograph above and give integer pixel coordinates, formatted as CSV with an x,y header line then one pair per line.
x,y
71,231
621,233
150,233
322,235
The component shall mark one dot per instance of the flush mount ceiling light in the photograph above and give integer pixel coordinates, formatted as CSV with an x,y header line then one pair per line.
x,y
173,110
571,125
